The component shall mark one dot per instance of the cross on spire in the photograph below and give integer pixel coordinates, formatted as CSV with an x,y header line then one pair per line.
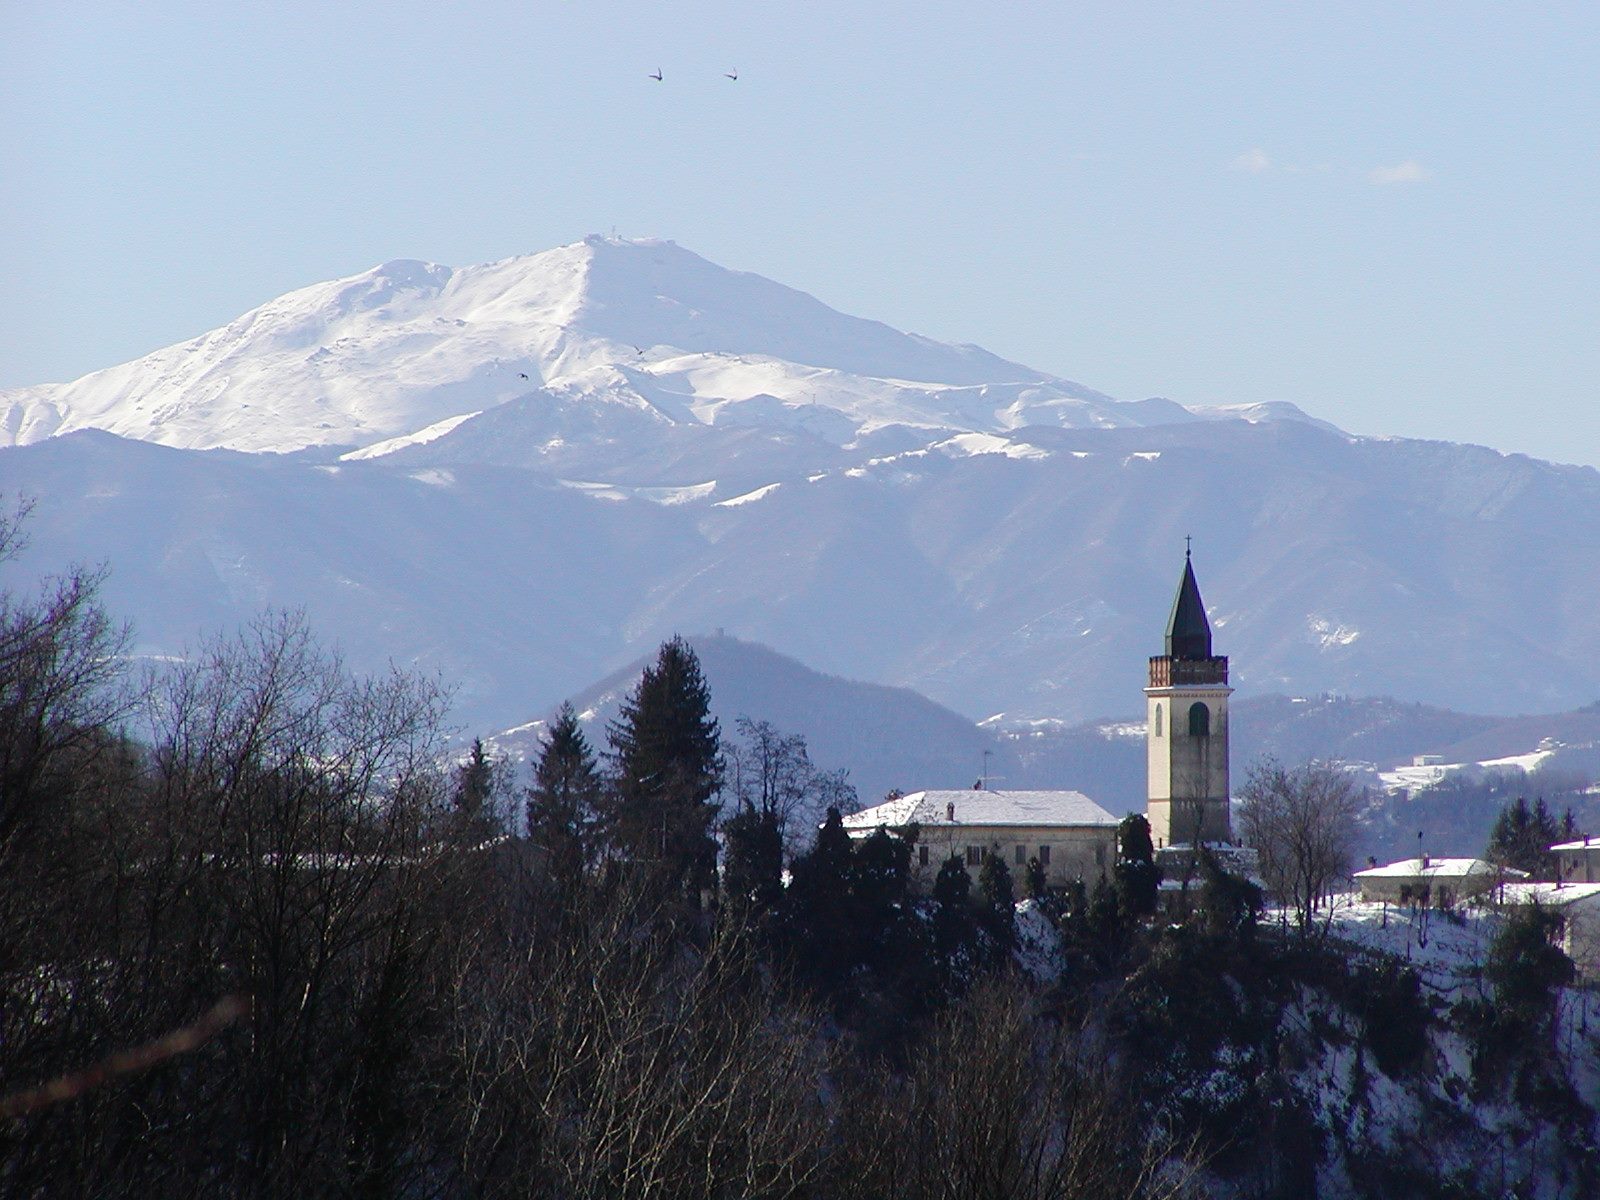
x,y
1186,545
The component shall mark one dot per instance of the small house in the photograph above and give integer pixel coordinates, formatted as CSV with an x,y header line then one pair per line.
x,y
1579,906
1579,861
1437,881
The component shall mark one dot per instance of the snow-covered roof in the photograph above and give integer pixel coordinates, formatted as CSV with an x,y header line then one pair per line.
x,y
1582,844
982,807
1549,894
1439,868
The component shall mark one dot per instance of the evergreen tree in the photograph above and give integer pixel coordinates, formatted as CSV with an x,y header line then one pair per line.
x,y
1035,886
1104,930
1526,967
881,912
752,870
999,903
881,875
821,904
474,782
952,909
1230,905
565,798
1137,877
473,798
668,769
1522,838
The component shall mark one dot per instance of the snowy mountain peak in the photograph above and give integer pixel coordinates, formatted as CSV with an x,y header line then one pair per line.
x,y
604,330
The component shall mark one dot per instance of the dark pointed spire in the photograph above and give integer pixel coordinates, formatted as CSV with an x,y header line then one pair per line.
x,y
1188,631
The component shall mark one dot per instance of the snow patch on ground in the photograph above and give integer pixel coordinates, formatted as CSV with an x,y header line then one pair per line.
x,y
748,497
1412,777
420,438
967,445
1329,633
1038,951
668,496
435,477
1122,729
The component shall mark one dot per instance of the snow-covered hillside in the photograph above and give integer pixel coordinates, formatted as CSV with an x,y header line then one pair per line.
x,y
695,448
627,337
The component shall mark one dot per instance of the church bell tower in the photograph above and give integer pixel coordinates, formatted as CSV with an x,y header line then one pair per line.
x,y
1186,735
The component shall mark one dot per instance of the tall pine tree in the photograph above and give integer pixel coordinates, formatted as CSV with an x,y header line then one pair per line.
x,y
999,903
564,800
1136,876
478,785
1523,835
821,904
752,869
665,753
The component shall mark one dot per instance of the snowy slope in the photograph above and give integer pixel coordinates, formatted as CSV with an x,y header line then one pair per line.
x,y
697,448
645,329
986,576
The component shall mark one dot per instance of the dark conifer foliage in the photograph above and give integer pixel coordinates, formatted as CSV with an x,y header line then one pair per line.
x,y
666,756
1034,883
474,784
1137,876
752,867
1523,835
479,795
564,801
999,904
1526,965
953,925
821,904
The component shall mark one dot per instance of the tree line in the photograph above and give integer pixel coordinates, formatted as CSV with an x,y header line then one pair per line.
x,y
259,937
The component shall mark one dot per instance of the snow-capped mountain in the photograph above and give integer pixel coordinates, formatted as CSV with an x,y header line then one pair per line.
x,y
696,449
611,339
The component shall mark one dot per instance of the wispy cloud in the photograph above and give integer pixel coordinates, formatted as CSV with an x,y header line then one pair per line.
x,y
1254,160
1409,171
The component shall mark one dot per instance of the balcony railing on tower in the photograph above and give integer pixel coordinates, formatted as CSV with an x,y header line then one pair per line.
x,y
1166,671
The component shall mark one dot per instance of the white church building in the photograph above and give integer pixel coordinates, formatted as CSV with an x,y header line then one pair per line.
x,y
1071,836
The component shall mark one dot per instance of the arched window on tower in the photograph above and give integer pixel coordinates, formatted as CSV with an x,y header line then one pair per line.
x,y
1158,720
1199,720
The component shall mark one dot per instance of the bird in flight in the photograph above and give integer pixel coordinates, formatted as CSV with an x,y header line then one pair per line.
x,y
523,374
656,76
733,74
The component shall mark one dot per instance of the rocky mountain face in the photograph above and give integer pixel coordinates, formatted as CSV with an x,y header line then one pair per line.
x,y
524,475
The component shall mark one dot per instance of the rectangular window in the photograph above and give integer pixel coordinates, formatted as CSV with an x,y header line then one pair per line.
x,y
1022,855
974,856
1100,856
1044,856
922,856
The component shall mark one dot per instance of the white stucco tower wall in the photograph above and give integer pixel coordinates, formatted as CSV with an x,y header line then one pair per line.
x,y
1186,738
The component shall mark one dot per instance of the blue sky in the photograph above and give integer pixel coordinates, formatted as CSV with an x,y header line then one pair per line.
x,y
1384,213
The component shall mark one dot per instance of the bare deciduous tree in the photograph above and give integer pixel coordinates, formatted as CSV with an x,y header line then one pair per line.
x,y
1001,1102
1302,822
771,773
268,839
592,1054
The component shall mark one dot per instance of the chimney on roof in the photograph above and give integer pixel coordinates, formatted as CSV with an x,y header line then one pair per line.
x,y
950,811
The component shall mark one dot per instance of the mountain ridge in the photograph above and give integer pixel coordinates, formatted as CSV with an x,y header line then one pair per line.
x,y
387,353
998,546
